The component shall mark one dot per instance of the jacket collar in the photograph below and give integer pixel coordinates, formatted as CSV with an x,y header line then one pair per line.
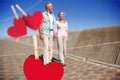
x,y
47,12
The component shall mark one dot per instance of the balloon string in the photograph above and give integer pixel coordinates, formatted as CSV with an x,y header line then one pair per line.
x,y
30,8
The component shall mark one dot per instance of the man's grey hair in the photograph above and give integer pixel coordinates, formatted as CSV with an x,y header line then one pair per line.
x,y
47,4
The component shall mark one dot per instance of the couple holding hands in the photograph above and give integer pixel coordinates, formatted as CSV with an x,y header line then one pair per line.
x,y
50,29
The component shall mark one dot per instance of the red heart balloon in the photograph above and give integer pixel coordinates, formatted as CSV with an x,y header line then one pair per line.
x,y
35,70
32,68
53,71
33,21
19,28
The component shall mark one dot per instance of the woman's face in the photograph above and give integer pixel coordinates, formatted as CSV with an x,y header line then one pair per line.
x,y
61,15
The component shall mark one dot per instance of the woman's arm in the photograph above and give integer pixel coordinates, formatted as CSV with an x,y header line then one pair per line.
x,y
67,36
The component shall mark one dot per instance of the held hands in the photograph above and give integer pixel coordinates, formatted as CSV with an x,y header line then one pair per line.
x,y
55,35
67,40
58,27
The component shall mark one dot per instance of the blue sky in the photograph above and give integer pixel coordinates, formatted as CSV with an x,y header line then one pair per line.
x,y
80,14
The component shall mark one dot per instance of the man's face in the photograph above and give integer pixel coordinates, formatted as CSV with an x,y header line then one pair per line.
x,y
50,7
